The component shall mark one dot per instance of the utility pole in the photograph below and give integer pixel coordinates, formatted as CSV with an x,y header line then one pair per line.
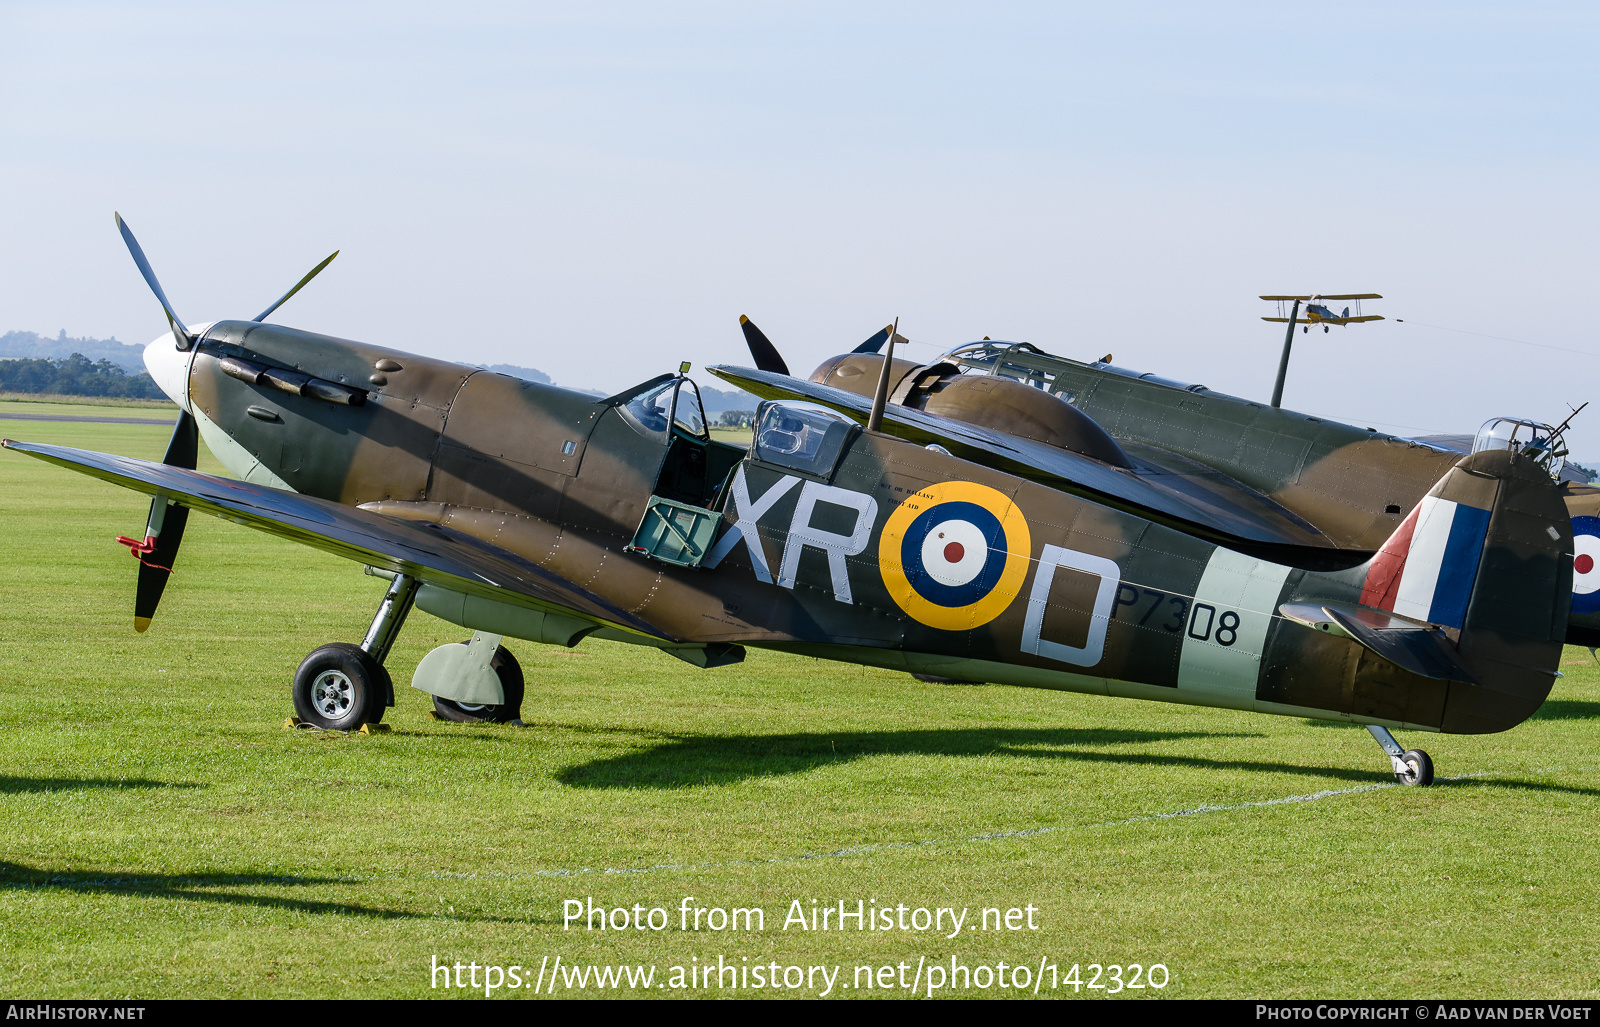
x,y
1283,362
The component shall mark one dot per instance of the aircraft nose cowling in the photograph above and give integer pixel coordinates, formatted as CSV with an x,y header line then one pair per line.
x,y
169,366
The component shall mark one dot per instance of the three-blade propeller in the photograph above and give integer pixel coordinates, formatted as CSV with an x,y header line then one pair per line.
x,y
163,531
164,527
184,336
762,350
875,344
297,286
766,354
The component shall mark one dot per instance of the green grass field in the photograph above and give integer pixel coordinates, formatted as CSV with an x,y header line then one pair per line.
x,y
162,834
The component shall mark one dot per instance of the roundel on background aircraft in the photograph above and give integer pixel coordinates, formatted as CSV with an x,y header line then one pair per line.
x,y
1586,564
954,555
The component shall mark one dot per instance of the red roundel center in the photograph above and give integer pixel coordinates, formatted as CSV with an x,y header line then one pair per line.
x,y
1583,564
954,552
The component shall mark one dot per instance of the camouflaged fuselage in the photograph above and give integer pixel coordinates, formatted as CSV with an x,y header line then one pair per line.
x,y
837,562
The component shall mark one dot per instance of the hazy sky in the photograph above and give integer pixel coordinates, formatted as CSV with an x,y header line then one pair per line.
x,y
599,190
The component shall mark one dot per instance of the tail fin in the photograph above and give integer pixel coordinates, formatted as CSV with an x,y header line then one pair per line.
x,y
1487,557
1463,612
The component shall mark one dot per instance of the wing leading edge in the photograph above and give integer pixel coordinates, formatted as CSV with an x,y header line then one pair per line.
x,y
427,552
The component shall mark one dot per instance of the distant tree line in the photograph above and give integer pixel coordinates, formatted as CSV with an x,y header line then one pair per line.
x,y
34,346
76,375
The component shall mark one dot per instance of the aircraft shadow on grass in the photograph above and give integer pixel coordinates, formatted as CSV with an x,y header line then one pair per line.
x,y
17,876
22,785
1553,709
1513,785
688,762
1567,709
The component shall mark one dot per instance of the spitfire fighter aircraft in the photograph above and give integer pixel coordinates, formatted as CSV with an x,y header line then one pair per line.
x,y
965,525
1320,313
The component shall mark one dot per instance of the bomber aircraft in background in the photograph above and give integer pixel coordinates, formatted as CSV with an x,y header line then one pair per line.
x,y
1320,313
1352,488
912,517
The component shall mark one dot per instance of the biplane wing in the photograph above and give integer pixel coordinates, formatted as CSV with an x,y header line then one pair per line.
x,y
1318,319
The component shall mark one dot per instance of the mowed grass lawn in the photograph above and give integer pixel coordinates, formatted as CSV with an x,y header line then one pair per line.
x,y
162,834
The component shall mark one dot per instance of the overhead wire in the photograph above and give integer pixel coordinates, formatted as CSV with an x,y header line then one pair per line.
x,y
1499,338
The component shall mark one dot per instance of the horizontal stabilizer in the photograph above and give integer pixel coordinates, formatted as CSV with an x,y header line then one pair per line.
x,y
1414,645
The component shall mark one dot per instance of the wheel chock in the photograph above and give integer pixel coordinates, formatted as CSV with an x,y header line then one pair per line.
x,y
291,723
374,729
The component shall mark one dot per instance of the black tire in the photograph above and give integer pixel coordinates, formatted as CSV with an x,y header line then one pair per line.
x,y
509,671
1420,774
339,687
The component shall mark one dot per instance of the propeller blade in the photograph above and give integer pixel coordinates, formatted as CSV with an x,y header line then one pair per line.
x,y
177,324
761,348
155,567
297,287
875,343
183,449
164,528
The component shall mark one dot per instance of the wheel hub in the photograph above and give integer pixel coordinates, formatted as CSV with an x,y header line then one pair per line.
x,y
332,693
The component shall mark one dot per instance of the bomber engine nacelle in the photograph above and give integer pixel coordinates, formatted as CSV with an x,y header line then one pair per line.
x,y
988,401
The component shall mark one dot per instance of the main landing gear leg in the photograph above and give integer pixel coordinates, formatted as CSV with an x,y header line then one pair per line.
x,y
1411,766
342,686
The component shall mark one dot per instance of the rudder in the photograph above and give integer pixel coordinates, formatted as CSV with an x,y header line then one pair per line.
x,y
1487,556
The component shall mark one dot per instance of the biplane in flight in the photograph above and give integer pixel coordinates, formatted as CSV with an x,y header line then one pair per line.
x,y
926,518
1320,313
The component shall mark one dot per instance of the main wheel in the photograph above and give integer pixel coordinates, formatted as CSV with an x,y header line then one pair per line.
x,y
509,671
340,687
1419,768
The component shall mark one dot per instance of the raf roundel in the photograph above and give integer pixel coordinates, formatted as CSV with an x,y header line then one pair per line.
x,y
954,555
1586,564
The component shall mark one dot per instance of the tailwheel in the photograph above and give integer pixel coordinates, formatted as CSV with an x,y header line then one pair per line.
x,y
1414,767
339,687
509,671
1411,766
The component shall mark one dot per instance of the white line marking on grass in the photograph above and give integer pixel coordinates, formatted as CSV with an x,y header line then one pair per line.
x,y
856,850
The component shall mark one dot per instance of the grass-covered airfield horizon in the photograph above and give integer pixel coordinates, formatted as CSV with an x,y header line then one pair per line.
x,y
161,835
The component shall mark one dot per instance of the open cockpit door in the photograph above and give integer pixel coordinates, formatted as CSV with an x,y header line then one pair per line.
x,y
681,516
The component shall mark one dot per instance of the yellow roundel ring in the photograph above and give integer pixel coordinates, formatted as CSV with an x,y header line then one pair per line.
x,y
954,555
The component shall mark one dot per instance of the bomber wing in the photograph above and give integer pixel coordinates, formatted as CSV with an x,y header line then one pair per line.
x,y
1176,492
428,552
